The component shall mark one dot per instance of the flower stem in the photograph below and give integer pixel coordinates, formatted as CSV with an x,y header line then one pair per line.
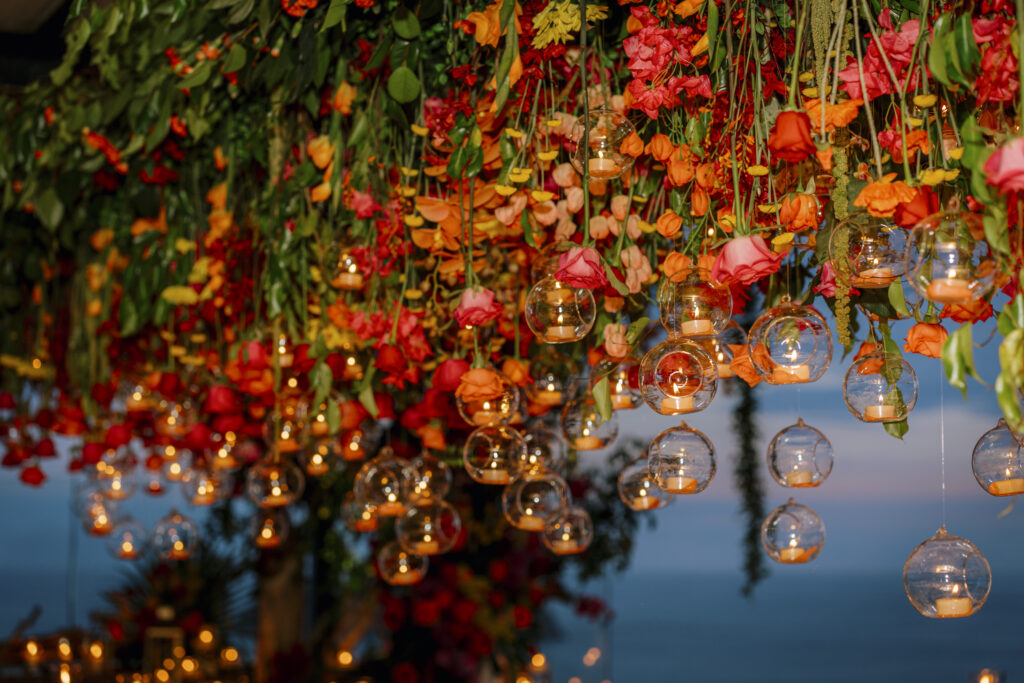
x,y
585,170
793,77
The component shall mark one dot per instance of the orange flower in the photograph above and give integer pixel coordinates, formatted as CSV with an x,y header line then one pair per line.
x,y
790,138
660,147
836,115
964,313
825,158
517,371
699,201
680,167
320,150
615,344
926,339
321,192
144,225
677,266
870,367
432,437
882,196
687,7
344,96
480,384
218,196
916,140
705,174
219,160
669,224
632,145
798,211
741,365
101,238
487,24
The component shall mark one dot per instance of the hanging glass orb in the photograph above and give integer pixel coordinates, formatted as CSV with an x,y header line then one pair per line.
x,y
494,454
432,478
360,517
625,386
287,431
606,129
127,540
175,468
799,456
98,516
117,481
948,260
431,527
318,426
681,460
694,306
637,488
321,456
349,275
354,444
269,528
570,535
137,398
385,482
720,351
792,533
677,376
273,484
498,408
173,419
544,449
152,475
175,537
875,250
225,458
582,426
552,380
947,577
399,567
202,487
535,500
790,344
880,387
558,313
998,461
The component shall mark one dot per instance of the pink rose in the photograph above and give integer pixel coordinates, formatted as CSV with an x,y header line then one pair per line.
x,y
449,373
827,285
477,307
615,344
581,267
745,260
1005,168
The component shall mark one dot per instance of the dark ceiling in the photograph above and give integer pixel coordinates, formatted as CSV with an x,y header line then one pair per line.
x,y
31,43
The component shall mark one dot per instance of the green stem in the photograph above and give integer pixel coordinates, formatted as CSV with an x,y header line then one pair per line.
x,y
586,123
793,77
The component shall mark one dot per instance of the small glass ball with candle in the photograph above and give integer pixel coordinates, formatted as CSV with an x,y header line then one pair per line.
x,y
269,528
359,517
681,460
947,259
430,527
202,486
321,456
947,577
176,467
175,537
287,430
355,443
558,313
432,478
151,476
792,533
624,383
552,376
348,275
319,422
535,500
494,454
880,387
570,535
173,419
128,539
544,448
98,516
118,479
695,306
274,482
137,398
875,250
799,456
225,456
677,377
790,344
499,408
582,425
601,152
385,482
399,567
998,461
637,487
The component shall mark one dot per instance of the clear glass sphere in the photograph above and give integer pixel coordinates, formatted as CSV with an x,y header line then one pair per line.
x,y
287,431
880,387
202,487
677,377
694,306
321,456
681,460
544,449
948,260
175,537
348,275
128,539
399,567
552,377
570,535
432,478
269,528
354,445
792,533
386,483
558,313
431,527
947,577
605,129
319,427
637,487
493,407
117,482
875,250
582,425
800,456
535,500
494,454
98,515
358,516
998,461
137,398
790,344
173,419
274,484
625,386
226,457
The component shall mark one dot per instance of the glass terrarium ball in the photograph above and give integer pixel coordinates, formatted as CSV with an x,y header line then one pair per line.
x,y
998,461
544,449
880,387
399,567
874,250
570,535
625,385
354,445
137,397
226,456
117,481
173,419
790,344
175,537
494,454
489,405
637,487
287,431
800,456
552,377
202,487
792,533
274,484
558,313
432,478
677,376
98,516
681,460
269,528
127,540
348,275
386,483
947,577
535,500
321,456
430,527
694,306
358,516
583,427
601,151
947,259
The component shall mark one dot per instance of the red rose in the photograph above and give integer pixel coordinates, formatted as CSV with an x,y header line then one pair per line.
x,y
477,307
198,438
448,374
522,616
581,267
1005,168
45,448
385,406
92,452
924,204
221,399
745,260
227,422
32,475
790,139
45,418
117,436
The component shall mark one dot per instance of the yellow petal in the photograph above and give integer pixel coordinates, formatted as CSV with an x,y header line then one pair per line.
x,y
914,121
932,176
813,92
513,133
757,170
646,227
411,172
179,294
956,153
407,191
782,242
542,195
925,100
806,76
547,156
554,123
504,190
413,294
184,246
639,199
768,208
519,177
419,130
413,220
952,173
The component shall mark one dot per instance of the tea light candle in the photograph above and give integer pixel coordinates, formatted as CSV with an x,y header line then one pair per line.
x,y
205,498
366,524
482,418
350,281
874,277
697,328
879,413
725,370
1006,487
953,607
406,578
800,478
548,397
178,554
426,547
789,374
353,452
136,402
268,539
391,509
587,443
495,476
622,402
645,503
276,498
949,291
317,466
558,296
319,426
530,523
793,555
126,551
559,334
154,487
565,547
603,168
680,484
671,405
287,445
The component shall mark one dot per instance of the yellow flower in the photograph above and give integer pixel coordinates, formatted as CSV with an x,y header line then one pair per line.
x,y
925,100
542,195
181,295
504,190
757,170
956,153
419,130
559,21
547,156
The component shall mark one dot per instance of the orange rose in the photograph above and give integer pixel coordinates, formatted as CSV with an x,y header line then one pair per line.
x,y
632,145
926,339
480,384
882,196
677,266
660,147
517,371
320,150
432,437
741,365
669,224
798,212
978,310
836,115
790,138
871,367
699,201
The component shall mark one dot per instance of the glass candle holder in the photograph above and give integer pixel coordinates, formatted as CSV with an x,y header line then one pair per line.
x,y
399,567
552,377
498,408
175,537
637,487
606,129
535,500
557,313
792,533
429,528
790,344
128,539
432,478
681,460
947,577
875,250
998,461
695,306
572,534
544,449
386,483
880,387
799,456
271,483
494,455
582,425
269,528
947,259
678,377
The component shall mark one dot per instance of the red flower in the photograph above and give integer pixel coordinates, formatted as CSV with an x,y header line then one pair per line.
x,y
581,267
790,139
745,260
32,475
392,361
45,448
221,399
924,204
92,452
362,203
448,374
118,435
1005,168
522,616
477,307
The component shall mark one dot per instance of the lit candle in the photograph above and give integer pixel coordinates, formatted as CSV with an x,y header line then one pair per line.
x,y
622,402
136,402
559,334
204,498
285,445
406,578
587,443
645,503
530,523
953,607
482,418
494,476
391,509
178,554
319,426
101,526
565,547
317,466
268,539
800,478
680,484
353,452
548,397
1006,487
603,168
350,281
366,524
874,277
671,405
155,487
725,370
558,296
127,551
793,555
790,374
879,413
949,290
276,498
697,328
426,547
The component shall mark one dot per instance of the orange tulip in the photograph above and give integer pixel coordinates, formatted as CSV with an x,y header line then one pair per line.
x,y
320,150
144,225
680,167
916,140
219,160
926,339
344,96
790,137
699,201
677,266
321,192
217,196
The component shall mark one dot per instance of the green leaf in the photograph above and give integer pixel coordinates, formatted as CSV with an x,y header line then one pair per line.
x,y
1012,316
937,52
129,317
366,398
335,13
524,223
49,208
1009,401
199,75
236,59
712,31
403,85
406,24
241,12
333,416
997,230
321,381
958,358
896,429
603,399
956,72
966,47
616,283
636,328
897,300
1011,358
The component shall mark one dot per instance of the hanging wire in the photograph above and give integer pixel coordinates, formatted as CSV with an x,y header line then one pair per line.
x,y
942,441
